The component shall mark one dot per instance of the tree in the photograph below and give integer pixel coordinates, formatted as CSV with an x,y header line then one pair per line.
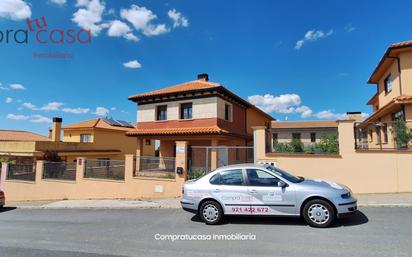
x,y
402,133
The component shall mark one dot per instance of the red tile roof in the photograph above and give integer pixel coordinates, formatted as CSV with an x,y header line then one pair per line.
x,y
383,61
94,123
19,135
304,124
185,87
403,99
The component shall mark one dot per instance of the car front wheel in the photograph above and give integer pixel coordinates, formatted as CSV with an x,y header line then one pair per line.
x,y
319,213
211,212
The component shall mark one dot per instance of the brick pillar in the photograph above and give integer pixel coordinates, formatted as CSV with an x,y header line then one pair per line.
x,y
129,167
139,153
181,158
259,143
80,167
213,154
3,174
39,171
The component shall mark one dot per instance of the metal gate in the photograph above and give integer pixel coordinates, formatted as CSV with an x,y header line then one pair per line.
x,y
200,157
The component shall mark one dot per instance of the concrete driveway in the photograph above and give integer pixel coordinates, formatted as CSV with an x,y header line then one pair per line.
x,y
92,232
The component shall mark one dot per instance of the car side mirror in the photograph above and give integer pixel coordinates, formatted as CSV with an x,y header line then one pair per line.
x,y
282,183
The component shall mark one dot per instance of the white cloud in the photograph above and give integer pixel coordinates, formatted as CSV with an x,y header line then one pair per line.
x,y
101,111
113,108
59,2
132,64
76,110
89,15
349,28
8,100
16,86
17,117
14,9
120,29
178,18
330,115
305,112
40,119
312,36
29,106
141,18
155,30
292,104
286,103
52,106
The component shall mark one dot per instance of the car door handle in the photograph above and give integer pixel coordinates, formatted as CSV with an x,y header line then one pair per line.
x,y
253,191
217,190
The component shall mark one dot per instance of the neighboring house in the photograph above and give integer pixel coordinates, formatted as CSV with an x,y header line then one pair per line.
x,y
95,139
15,145
104,133
201,112
392,100
308,132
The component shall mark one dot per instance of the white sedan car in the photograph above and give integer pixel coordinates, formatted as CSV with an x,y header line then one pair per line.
x,y
249,189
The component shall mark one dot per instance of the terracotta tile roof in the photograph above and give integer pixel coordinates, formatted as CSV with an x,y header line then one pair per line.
x,y
178,131
304,124
94,123
402,99
185,87
18,135
400,44
384,62
373,99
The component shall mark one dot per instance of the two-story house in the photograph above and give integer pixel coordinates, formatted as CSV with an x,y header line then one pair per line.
x,y
201,112
393,98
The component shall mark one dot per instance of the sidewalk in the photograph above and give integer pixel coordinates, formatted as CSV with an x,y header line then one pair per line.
x,y
369,200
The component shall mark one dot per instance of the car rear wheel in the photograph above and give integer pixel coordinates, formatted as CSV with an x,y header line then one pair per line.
x,y
211,212
319,213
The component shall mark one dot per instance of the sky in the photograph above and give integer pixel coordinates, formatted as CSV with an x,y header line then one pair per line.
x,y
297,60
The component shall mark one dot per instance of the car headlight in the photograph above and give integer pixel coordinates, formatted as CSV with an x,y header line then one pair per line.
x,y
346,196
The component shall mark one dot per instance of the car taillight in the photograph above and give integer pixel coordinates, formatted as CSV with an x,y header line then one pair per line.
x,y
1,194
183,190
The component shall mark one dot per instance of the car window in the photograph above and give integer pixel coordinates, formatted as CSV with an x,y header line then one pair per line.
x,y
215,180
231,177
261,178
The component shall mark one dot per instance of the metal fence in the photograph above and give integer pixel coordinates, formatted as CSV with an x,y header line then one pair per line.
x,y
26,172
59,170
157,167
104,169
200,157
393,135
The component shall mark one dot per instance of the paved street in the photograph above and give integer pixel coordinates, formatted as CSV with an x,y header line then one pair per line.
x,y
92,232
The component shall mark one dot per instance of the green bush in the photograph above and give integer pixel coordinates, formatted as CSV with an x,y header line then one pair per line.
x,y
328,144
296,145
282,147
196,173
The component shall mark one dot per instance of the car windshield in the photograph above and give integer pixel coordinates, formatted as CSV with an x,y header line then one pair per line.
x,y
284,174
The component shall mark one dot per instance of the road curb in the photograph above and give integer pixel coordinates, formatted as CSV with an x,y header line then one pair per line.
x,y
406,205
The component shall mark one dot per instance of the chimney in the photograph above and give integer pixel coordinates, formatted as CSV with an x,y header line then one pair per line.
x,y
356,116
56,129
203,76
